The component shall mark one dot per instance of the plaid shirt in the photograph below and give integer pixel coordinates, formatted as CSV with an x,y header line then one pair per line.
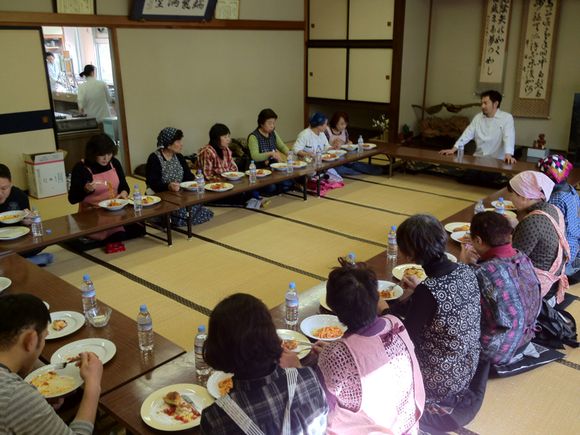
x,y
212,166
264,401
566,199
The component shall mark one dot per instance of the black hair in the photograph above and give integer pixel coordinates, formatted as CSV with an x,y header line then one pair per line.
x,y
423,238
215,133
242,337
87,71
5,172
99,145
266,114
336,117
48,54
19,312
494,96
493,228
352,293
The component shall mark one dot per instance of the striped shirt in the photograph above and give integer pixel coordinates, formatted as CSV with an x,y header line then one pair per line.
x,y
24,411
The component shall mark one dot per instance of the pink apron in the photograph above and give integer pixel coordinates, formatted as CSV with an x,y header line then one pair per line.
x,y
106,189
548,278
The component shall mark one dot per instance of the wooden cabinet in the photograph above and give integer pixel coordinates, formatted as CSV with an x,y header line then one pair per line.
x,y
328,19
371,19
369,74
327,73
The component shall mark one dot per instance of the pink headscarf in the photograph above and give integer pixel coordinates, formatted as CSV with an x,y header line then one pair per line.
x,y
532,185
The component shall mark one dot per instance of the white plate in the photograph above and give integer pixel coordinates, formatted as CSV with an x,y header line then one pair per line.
x,y
350,147
384,285
451,257
104,349
233,176
288,334
331,158
189,185
4,283
71,371
338,153
260,173
153,200
12,216
507,212
508,205
400,269
457,235
213,381
74,322
369,146
224,187
451,226
11,233
310,324
105,204
279,166
151,409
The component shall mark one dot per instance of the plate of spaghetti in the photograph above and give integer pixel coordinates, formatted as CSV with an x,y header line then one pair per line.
x,y
461,236
219,384
218,187
292,341
324,327
113,204
12,216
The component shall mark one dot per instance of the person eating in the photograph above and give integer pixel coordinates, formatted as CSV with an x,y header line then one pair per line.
x,y
265,144
312,139
216,157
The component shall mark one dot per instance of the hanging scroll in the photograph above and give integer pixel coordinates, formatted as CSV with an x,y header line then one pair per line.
x,y
496,23
536,59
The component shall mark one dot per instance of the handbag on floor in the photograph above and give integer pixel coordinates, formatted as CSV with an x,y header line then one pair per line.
x,y
555,328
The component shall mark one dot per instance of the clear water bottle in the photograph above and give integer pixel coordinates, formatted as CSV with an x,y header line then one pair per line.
x,y
392,248
500,206
145,329
292,304
360,142
36,227
68,181
351,258
200,182
253,173
290,162
137,199
88,296
460,152
318,159
479,207
201,367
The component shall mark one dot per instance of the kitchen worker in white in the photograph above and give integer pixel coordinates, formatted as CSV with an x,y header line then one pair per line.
x,y
492,129
54,71
93,96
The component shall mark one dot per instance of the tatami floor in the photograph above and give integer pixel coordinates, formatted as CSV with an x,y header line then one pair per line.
x,y
260,252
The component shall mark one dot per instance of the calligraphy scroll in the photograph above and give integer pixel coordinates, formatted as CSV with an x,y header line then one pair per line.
x,y
496,23
536,59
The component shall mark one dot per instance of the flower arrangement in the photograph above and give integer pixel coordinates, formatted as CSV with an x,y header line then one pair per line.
x,y
382,123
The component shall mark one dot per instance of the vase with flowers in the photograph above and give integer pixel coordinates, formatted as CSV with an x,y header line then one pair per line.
x,y
382,124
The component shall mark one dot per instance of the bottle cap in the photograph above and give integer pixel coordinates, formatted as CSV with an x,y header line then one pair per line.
x,y
201,328
500,199
292,285
86,277
136,186
143,308
252,161
394,227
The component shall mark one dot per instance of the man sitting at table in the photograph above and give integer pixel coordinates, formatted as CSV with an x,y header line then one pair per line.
x,y
492,129
24,323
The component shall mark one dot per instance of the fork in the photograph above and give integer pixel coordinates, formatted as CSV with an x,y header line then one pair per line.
x,y
62,365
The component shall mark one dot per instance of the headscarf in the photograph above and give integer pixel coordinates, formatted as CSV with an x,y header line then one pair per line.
x,y
556,167
166,137
317,120
532,185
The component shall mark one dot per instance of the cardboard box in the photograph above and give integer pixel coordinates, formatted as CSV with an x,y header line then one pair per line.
x,y
535,154
45,174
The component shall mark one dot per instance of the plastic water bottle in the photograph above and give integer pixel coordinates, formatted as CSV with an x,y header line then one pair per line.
x,y
460,152
200,182
351,258
392,248
292,304
360,143
36,227
318,159
290,162
253,173
145,329
88,296
68,181
201,367
137,199
500,206
479,207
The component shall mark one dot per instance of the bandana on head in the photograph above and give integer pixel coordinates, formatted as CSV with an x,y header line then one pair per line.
x,y
317,120
532,185
166,137
556,167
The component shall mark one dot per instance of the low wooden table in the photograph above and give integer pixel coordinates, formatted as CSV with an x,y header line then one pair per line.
x,y
128,363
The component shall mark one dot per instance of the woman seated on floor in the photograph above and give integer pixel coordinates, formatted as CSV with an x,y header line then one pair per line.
x,y
166,169
337,135
262,391
371,377
443,321
14,199
541,233
510,290
98,177
216,158
267,147
565,197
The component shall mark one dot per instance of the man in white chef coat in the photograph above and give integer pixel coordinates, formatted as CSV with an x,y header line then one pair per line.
x,y
492,129
53,68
